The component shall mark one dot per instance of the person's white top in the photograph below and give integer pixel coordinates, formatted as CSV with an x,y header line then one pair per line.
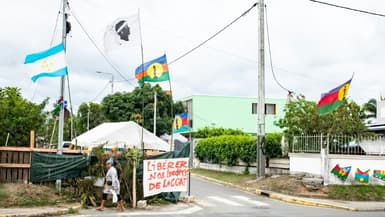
x,y
112,175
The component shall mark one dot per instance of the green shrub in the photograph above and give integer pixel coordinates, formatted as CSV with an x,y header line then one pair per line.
x,y
208,132
273,145
227,149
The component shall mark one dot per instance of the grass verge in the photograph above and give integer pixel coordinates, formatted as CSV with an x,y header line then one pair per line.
x,y
357,192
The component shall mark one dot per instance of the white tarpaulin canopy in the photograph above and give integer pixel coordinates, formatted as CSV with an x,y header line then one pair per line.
x,y
120,134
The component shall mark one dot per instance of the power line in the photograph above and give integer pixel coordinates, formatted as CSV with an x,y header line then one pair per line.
x,y
104,88
55,28
270,56
100,51
213,36
349,8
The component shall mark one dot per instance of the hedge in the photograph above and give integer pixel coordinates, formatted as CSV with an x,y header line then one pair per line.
x,y
229,149
208,132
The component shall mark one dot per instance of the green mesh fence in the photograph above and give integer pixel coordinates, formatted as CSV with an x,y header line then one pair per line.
x,y
49,167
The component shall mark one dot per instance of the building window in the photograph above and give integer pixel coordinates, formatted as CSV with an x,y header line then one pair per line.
x,y
270,109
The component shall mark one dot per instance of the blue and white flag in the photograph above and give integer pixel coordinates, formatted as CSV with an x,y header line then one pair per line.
x,y
48,63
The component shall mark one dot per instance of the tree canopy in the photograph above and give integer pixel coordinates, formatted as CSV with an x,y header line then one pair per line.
x,y
128,106
92,111
19,116
370,108
301,117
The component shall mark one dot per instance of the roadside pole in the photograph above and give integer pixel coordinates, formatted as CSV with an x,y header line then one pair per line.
x,y
134,184
261,91
190,162
62,85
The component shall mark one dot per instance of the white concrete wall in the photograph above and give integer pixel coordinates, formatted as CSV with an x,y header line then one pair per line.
x,y
311,163
362,162
224,168
305,163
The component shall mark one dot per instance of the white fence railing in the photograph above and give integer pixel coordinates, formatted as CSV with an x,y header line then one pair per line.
x,y
339,144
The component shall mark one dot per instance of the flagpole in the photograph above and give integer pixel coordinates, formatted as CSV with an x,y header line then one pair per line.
x,y
62,86
142,85
172,113
155,102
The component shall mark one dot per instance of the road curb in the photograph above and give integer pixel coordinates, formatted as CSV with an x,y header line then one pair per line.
x,y
60,211
301,201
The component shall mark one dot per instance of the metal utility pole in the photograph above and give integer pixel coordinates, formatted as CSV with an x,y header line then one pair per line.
x,y
88,116
261,90
155,102
62,85
112,80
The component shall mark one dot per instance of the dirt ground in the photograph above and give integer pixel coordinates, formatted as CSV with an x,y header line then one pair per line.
x,y
291,185
15,194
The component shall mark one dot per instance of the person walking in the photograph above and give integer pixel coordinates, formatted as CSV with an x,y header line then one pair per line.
x,y
112,186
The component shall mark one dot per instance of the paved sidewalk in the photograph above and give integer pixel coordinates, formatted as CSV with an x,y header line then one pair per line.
x,y
38,211
337,204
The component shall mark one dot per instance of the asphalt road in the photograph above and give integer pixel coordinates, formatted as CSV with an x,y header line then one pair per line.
x,y
214,200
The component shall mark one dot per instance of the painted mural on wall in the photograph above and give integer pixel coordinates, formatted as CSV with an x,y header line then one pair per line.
x,y
341,172
379,174
362,176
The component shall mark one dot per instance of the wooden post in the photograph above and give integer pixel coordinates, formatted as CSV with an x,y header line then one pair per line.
x,y
134,185
32,139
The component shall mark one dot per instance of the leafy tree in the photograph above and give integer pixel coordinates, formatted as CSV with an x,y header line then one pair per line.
x,y
370,108
128,106
96,116
207,132
301,118
19,116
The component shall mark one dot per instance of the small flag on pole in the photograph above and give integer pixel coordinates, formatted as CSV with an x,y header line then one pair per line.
x,y
331,100
48,63
153,71
181,123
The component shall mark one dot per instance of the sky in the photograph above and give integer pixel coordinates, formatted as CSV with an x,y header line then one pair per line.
x,y
314,47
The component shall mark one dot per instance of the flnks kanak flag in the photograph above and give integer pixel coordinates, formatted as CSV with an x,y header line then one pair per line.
x,y
153,71
181,123
123,31
331,100
48,63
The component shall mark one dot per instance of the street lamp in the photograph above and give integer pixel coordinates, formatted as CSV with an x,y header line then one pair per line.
x,y
112,79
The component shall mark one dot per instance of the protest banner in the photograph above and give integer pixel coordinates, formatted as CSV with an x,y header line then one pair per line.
x,y
165,175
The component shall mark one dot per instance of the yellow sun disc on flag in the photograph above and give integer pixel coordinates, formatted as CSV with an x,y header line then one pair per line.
x,y
177,122
343,92
155,70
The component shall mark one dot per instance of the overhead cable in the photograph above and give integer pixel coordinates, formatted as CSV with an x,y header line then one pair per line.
x,y
270,57
213,36
100,50
349,8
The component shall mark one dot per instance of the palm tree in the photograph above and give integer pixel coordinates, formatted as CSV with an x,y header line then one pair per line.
x,y
370,108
